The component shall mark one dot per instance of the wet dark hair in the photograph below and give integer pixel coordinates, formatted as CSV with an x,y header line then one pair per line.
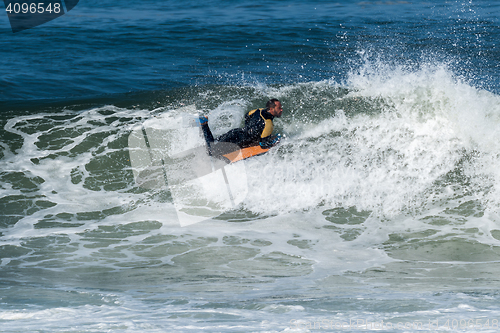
x,y
271,103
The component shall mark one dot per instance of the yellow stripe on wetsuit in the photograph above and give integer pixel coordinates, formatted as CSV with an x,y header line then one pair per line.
x,y
268,124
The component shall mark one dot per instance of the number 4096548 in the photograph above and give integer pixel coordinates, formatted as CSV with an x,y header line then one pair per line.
x,y
33,8
476,324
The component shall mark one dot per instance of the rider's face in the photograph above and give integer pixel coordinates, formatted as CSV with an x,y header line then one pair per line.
x,y
277,110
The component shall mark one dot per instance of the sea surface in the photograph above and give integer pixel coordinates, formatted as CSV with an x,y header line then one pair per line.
x,y
378,211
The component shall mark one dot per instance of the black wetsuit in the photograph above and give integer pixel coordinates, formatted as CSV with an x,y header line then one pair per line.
x,y
257,130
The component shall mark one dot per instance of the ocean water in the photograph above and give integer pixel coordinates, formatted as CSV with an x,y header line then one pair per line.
x,y
379,210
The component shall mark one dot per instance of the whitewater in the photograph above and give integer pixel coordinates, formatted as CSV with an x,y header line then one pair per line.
x,y
379,205
378,211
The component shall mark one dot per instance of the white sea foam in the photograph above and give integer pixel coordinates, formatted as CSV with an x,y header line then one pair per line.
x,y
383,179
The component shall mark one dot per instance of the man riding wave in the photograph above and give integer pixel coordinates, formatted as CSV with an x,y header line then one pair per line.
x,y
257,130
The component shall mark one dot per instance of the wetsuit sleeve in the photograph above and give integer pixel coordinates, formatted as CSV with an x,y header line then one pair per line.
x,y
270,141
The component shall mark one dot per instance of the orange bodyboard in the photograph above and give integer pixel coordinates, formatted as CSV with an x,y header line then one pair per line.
x,y
245,153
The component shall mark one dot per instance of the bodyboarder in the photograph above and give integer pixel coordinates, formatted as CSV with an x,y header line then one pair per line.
x,y
257,130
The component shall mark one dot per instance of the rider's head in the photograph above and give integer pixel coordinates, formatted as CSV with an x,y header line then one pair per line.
x,y
274,107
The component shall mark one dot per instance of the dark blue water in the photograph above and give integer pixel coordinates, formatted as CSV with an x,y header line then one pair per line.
x,y
108,48
381,204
